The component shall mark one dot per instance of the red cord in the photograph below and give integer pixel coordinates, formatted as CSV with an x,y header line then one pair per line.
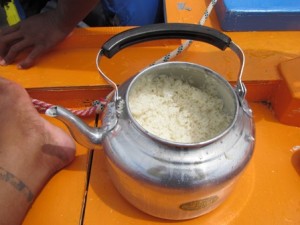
x,y
97,107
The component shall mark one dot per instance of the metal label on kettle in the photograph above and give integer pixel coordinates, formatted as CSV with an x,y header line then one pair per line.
x,y
199,204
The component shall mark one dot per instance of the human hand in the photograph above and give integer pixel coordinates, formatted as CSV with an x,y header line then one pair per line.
x,y
38,34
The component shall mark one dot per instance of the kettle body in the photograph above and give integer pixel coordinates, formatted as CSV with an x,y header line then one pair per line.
x,y
174,180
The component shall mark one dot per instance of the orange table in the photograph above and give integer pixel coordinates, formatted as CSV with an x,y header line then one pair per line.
x,y
268,191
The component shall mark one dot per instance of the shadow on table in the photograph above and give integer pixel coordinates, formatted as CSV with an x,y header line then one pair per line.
x,y
296,161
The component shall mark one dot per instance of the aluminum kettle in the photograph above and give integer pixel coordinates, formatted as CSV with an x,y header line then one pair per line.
x,y
163,178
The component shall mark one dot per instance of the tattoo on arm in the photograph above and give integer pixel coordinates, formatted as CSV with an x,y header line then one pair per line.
x,y
16,183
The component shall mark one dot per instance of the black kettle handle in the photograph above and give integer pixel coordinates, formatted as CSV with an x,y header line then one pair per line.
x,y
171,31
165,31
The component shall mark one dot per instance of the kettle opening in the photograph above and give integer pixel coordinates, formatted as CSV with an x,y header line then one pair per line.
x,y
181,103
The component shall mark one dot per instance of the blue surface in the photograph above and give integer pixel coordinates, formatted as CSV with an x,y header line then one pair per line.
x,y
258,15
134,12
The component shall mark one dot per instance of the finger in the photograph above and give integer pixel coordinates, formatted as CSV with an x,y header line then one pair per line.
x,y
2,62
9,29
1,58
11,37
3,49
30,59
8,36
14,51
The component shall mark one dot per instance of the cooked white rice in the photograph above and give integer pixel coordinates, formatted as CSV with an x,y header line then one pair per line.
x,y
176,111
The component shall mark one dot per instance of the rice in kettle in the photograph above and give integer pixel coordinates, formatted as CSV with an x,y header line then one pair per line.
x,y
173,109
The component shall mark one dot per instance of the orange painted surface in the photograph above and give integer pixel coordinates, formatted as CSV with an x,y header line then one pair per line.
x,y
286,99
268,191
263,50
290,71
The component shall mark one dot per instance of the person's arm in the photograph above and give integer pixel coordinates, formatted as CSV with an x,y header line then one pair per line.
x,y
41,32
70,12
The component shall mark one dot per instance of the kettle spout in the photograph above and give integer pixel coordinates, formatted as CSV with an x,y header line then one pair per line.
x,y
85,135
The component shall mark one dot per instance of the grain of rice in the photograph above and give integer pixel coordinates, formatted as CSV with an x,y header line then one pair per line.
x,y
172,109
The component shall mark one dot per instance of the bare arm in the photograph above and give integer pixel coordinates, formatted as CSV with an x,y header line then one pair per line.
x,y
41,32
70,12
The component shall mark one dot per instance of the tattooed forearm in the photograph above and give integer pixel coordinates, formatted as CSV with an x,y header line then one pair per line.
x,y
16,183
